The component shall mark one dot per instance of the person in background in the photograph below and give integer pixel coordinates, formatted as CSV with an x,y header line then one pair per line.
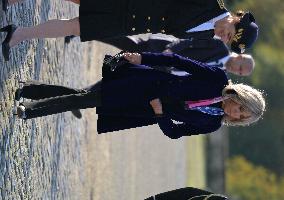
x,y
188,193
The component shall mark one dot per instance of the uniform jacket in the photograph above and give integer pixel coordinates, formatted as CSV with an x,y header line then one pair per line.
x,y
127,91
173,17
204,50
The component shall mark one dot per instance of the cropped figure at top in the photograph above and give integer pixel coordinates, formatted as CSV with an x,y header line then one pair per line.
x,y
188,193
184,97
108,19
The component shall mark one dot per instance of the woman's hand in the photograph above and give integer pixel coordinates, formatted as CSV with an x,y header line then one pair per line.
x,y
167,51
134,58
157,106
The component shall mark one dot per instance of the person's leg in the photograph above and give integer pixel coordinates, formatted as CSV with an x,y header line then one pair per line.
x,y
61,104
74,1
37,90
94,88
50,29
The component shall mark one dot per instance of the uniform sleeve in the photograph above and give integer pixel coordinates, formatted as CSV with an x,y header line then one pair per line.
x,y
197,69
175,131
204,50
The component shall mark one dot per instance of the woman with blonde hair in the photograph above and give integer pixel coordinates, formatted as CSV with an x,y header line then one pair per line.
x,y
249,98
184,97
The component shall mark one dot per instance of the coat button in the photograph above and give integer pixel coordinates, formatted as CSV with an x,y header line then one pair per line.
x,y
133,16
133,29
148,30
149,18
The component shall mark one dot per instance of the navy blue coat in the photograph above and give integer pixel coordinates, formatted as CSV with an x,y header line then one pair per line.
x,y
127,91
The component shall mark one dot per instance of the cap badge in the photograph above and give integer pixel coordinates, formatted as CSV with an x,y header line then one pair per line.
x,y
242,47
221,4
238,35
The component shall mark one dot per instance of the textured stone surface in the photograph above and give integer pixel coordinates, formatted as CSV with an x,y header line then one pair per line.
x,y
60,157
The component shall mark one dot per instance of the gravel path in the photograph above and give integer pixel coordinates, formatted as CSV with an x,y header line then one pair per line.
x,y
60,157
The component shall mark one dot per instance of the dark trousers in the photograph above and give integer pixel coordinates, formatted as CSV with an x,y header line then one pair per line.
x,y
52,99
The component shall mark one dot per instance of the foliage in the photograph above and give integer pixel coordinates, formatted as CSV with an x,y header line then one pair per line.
x,y
249,182
263,143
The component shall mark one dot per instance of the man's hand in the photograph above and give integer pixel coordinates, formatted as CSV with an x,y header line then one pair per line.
x,y
134,58
157,106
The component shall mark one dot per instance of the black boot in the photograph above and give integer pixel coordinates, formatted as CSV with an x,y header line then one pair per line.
x,y
77,113
21,112
18,94
68,39
5,5
10,29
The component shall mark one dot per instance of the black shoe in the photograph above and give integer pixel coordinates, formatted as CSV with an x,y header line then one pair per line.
x,y
10,29
5,5
77,113
68,39
21,112
18,94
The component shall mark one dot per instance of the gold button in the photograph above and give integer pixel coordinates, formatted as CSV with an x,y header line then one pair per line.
x,y
163,31
148,30
133,16
149,18
133,29
163,19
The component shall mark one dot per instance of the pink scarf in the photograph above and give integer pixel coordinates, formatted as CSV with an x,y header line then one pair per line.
x,y
206,102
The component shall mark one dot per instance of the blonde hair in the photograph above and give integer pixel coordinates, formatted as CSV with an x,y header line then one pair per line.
x,y
251,99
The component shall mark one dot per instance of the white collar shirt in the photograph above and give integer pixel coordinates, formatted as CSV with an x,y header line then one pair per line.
x,y
221,62
209,25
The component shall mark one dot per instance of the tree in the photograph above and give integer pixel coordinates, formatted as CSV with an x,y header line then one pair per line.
x,y
249,182
263,143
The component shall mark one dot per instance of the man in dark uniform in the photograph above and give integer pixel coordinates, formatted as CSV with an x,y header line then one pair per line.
x,y
106,19
188,193
198,21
